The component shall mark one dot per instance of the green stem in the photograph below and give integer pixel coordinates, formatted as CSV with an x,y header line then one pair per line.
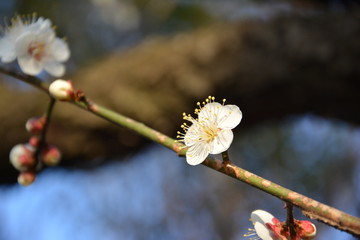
x,y
133,125
310,207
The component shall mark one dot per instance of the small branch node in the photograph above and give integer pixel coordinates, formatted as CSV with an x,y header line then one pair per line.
x,y
225,157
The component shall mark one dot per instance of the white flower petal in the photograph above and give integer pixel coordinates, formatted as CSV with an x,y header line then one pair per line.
x,y
262,216
54,68
41,26
29,65
263,232
229,117
22,43
60,50
192,134
46,36
222,141
42,23
7,52
259,219
209,112
197,153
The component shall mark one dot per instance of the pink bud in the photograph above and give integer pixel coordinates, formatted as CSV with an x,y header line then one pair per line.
x,y
22,157
307,229
34,141
26,178
35,125
62,90
50,155
277,230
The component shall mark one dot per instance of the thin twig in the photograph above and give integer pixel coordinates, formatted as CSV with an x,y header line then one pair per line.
x,y
42,139
34,81
290,220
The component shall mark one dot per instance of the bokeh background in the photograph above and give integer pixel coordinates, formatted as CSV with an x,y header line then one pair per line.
x,y
291,66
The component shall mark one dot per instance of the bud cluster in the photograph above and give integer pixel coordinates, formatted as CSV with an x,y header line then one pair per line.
x,y
28,158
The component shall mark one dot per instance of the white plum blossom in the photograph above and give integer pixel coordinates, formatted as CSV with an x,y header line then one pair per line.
x,y
34,44
211,132
268,227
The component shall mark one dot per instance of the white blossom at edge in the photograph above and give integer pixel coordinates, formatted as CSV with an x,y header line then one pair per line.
x,y
35,46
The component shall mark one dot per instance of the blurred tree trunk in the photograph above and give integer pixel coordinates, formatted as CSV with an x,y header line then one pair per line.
x,y
271,70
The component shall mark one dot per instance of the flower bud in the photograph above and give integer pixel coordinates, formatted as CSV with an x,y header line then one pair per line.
x,y
35,125
22,157
61,90
34,141
307,230
50,155
26,178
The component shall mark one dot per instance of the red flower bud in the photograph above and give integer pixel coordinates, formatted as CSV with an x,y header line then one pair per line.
x,y
34,141
22,157
26,178
50,155
307,230
35,125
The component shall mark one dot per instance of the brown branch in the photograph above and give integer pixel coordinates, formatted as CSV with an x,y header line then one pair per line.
x,y
313,208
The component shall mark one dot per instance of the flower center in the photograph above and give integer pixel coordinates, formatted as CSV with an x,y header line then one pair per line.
x,y
37,50
210,133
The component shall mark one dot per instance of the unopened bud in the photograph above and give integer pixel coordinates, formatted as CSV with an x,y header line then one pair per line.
x,y
307,230
26,178
62,90
22,157
34,141
35,125
50,155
